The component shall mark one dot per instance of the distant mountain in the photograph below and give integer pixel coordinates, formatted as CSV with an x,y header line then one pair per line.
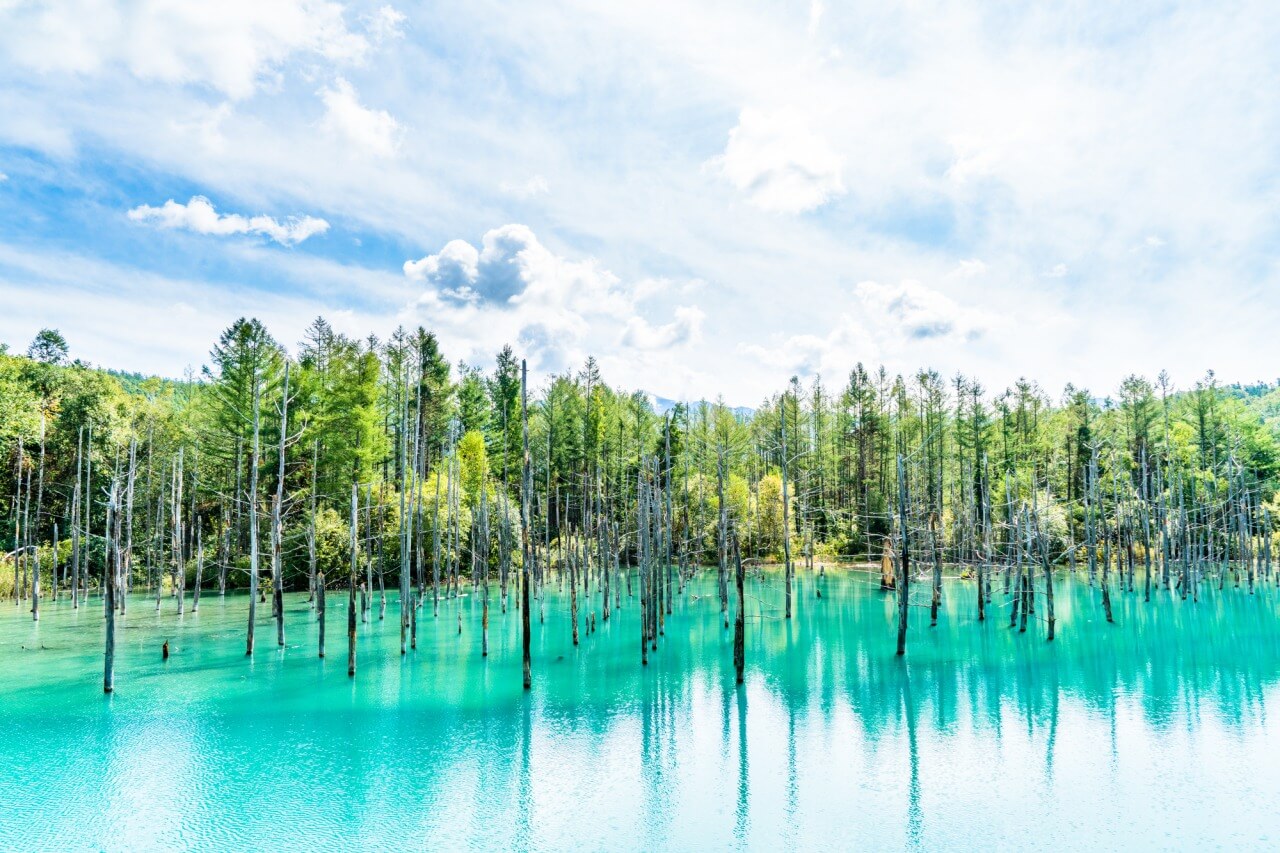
x,y
662,405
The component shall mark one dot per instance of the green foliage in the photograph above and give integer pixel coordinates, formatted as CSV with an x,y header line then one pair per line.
x,y
474,463
388,414
48,347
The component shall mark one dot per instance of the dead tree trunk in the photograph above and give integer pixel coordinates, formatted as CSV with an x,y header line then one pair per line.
x,y
75,522
253,520
277,507
786,511
904,565
311,526
179,563
351,586
526,487
319,588
936,599
108,579
195,597
740,620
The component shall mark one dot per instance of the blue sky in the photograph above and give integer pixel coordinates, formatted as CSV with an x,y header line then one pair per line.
x,y
708,196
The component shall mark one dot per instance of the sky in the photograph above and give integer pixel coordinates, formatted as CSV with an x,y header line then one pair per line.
x,y
709,197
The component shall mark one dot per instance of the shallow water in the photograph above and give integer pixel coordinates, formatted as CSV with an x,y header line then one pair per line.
x,y
1150,733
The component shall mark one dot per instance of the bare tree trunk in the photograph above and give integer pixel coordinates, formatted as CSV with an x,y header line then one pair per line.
x,y
179,563
126,567
481,550
351,587
195,598
786,509
319,588
936,599
740,620
406,533
311,526
33,534
1043,543
642,547
253,520
985,559
88,510
17,532
108,579
904,565
526,487
75,522
54,567
277,507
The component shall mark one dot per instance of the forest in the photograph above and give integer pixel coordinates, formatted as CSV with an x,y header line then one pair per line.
x,y
353,467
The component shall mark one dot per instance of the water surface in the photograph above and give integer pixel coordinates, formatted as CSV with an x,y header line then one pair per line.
x,y
1150,733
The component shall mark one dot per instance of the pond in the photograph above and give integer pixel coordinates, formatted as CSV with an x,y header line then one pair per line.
x,y
1148,733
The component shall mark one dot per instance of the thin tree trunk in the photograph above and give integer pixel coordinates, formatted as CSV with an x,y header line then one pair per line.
x,y
108,579
786,510
740,620
277,507
526,487
319,588
904,564
253,520
351,587
195,597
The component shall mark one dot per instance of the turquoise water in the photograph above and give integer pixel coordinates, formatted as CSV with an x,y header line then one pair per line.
x,y
1150,733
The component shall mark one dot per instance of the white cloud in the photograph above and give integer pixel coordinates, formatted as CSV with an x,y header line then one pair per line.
x,y
884,321
230,46
384,23
100,305
513,288
199,215
1093,127
514,268
453,271
807,354
537,185
917,312
372,131
3,177
816,9
1058,270
970,268
779,164
651,288
685,328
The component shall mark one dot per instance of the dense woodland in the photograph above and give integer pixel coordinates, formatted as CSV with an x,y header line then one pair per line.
x,y
368,466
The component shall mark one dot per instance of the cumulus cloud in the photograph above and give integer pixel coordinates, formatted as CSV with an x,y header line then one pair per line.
x,y
452,271
199,215
372,131
883,321
779,164
230,46
917,311
512,287
512,267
